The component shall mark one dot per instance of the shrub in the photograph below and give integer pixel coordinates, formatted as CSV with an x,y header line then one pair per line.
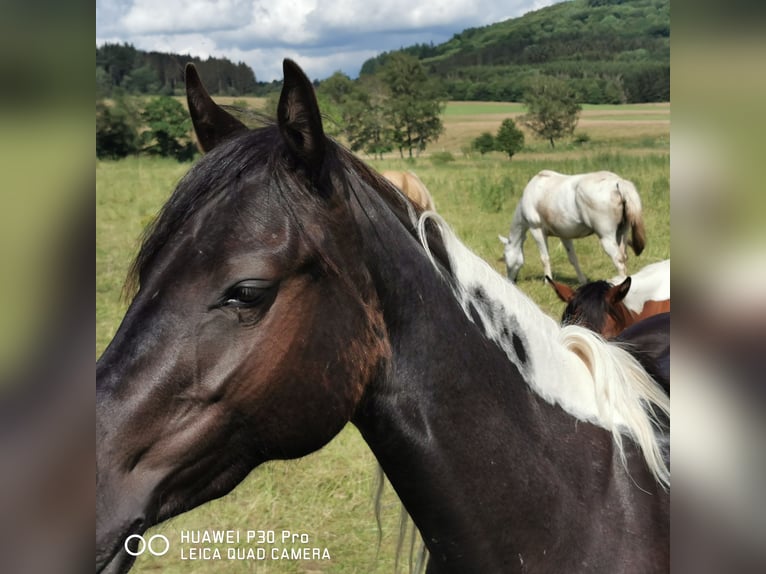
x,y
484,143
581,138
116,134
169,129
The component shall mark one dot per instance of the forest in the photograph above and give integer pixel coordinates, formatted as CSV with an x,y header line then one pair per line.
x,y
610,51
123,68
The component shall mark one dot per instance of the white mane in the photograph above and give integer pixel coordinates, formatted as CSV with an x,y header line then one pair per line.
x,y
572,367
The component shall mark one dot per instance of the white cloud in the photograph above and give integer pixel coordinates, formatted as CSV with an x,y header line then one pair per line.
x,y
182,16
321,35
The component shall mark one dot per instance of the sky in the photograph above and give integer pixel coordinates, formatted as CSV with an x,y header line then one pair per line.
x,y
322,36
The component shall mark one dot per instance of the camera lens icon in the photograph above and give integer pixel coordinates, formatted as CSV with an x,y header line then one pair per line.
x,y
154,548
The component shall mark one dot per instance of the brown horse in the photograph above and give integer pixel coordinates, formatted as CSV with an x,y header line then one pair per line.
x,y
412,187
600,306
285,291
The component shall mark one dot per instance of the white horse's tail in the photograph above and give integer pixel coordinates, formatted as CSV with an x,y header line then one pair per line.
x,y
632,203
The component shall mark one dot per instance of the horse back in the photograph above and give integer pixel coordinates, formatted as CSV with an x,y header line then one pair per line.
x,y
651,283
571,206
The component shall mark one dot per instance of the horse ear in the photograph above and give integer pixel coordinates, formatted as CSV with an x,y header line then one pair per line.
x,y
565,292
299,118
618,292
212,124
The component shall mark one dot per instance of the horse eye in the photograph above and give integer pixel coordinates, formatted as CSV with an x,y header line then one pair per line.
x,y
247,293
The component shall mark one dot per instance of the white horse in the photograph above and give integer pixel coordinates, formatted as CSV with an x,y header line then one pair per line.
x,y
651,283
574,206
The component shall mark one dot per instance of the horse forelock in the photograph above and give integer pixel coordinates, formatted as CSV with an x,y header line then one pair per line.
x,y
571,366
590,308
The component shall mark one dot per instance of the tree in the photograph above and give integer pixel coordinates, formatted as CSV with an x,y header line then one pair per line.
x,y
552,107
143,80
484,143
169,129
509,138
334,95
415,103
367,120
116,135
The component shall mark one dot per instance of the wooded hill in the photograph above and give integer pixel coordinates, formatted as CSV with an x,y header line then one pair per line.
x,y
121,66
611,51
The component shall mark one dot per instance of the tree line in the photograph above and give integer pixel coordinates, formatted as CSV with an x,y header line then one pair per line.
x,y
121,68
397,109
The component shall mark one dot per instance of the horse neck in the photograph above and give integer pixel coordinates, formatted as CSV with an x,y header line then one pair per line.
x,y
437,422
451,420
621,318
518,228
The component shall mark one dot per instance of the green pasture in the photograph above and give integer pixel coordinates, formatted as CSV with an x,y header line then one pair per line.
x,y
330,495
482,108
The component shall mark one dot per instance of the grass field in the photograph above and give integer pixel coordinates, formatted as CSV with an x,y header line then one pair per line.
x,y
329,495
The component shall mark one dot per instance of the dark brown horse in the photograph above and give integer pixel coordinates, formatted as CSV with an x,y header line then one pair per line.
x,y
280,296
600,306
648,341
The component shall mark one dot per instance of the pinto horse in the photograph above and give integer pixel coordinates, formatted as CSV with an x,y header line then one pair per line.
x,y
279,295
574,206
610,307
412,186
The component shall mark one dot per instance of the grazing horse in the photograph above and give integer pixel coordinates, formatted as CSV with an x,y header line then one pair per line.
x,y
574,206
610,307
285,290
412,187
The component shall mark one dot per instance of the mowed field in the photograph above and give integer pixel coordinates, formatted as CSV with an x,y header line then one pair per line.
x,y
329,495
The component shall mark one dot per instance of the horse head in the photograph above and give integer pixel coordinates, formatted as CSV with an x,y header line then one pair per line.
x,y
597,305
513,256
244,341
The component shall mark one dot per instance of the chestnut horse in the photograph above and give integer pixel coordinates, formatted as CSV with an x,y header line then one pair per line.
x,y
610,307
574,206
412,187
285,290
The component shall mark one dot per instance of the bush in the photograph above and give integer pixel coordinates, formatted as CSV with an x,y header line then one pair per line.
x,y
169,133
484,143
116,134
581,138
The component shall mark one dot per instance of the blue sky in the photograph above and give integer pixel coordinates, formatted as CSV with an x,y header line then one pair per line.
x,y
323,36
